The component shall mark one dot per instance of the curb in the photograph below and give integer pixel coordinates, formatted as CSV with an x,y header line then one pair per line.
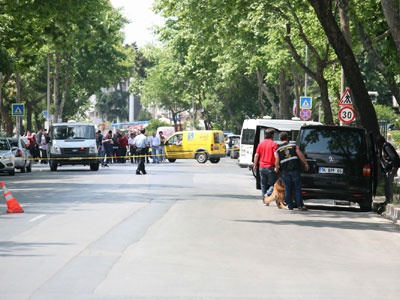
x,y
392,213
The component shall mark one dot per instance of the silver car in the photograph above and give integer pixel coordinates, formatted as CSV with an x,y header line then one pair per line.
x,y
7,158
23,157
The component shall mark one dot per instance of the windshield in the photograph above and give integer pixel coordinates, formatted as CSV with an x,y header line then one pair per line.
x,y
4,145
64,132
330,141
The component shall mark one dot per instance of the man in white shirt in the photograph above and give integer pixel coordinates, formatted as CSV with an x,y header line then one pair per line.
x,y
140,143
131,147
155,145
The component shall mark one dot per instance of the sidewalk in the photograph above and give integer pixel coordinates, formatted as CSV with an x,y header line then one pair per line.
x,y
392,213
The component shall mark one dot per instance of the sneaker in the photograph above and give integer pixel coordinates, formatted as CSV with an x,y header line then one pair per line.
x,y
302,208
138,173
144,172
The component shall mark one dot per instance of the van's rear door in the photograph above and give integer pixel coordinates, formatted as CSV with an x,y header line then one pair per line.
x,y
335,158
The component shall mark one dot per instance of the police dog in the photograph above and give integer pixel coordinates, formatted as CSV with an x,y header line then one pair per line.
x,y
278,195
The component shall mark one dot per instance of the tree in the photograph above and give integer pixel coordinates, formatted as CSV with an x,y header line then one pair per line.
x,y
351,69
391,10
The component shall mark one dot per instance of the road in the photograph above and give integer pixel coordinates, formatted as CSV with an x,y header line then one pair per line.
x,y
184,231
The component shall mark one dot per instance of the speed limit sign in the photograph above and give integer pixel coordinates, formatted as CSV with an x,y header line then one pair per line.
x,y
347,114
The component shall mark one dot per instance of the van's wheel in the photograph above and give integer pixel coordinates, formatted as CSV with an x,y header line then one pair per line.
x,y
53,166
171,159
215,160
23,169
29,168
375,206
201,157
365,205
94,167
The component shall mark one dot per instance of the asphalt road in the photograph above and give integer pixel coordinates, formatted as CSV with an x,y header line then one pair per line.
x,y
184,231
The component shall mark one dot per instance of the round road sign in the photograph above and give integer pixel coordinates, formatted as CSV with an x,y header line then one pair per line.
x,y
347,114
305,114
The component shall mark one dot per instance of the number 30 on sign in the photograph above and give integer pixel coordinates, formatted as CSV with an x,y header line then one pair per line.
x,y
347,114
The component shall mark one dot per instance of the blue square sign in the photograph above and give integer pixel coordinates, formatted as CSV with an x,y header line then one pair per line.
x,y
305,102
18,109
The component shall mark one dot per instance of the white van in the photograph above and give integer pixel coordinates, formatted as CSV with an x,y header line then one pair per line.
x,y
292,127
72,144
166,130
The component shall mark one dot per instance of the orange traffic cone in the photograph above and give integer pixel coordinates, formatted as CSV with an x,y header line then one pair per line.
x,y
12,203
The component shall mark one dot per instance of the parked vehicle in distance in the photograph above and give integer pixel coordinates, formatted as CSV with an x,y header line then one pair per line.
x,y
235,150
201,145
23,157
230,140
342,165
7,158
72,144
166,130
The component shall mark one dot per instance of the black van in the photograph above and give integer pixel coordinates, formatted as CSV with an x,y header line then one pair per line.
x,y
343,164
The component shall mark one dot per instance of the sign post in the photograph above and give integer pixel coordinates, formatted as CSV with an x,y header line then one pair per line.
x,y
305,108
18,110
346,112
305,102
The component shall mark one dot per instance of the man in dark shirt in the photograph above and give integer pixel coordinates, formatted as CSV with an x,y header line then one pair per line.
x,y
287,161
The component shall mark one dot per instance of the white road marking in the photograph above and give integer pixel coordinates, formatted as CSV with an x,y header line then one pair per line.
x,y
37,218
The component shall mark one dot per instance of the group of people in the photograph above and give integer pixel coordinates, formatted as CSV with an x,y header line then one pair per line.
x,y
136,145
37,144
283,161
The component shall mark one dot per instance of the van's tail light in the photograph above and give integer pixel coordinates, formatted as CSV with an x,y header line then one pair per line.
x,y
366,170
19,153
212,147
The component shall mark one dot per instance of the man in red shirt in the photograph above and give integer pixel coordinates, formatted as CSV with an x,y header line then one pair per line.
x,y
264,160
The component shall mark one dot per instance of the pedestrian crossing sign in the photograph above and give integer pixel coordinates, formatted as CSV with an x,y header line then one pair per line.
x,y
345,100
18,109
305,102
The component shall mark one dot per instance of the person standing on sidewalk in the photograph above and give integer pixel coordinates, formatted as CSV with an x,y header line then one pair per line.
x,y
287,161
132,150
161,148
140,143
264,160
155,144
390,163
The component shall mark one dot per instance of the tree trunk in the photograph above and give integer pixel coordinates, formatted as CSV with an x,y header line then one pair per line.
x,y
391,11
362,103
57,64
377,62
284,112
264,89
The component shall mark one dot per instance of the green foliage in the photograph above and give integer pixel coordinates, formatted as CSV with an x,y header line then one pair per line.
x,y
85,35
144,115
113,105
386,113
154,124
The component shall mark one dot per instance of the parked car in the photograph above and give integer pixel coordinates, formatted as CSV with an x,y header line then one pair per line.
x,y
235,150
230,140
7,158
23,157
342,165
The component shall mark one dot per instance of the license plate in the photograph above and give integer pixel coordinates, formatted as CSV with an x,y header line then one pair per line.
x,y
324,170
